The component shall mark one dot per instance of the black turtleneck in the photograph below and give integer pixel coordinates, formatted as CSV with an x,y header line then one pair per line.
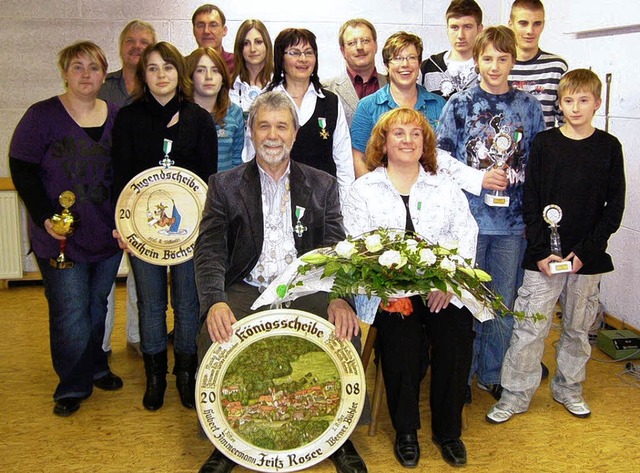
x,y
141,128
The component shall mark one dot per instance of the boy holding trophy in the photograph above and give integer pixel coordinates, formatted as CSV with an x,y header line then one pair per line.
x,y
575,175
492,125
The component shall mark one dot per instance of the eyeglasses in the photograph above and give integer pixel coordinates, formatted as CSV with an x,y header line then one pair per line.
x,y
310,53
354,42
411,59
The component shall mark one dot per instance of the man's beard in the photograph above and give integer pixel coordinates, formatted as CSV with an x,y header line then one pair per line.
x,y
269,155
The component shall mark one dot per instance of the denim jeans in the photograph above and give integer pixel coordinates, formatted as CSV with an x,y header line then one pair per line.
x,y
77,300
133,327
151,286
499,255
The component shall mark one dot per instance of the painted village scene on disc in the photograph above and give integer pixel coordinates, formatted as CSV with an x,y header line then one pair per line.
x,y
281,393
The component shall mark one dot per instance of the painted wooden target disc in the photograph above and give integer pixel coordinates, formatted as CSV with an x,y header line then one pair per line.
x,y
282,394
158,213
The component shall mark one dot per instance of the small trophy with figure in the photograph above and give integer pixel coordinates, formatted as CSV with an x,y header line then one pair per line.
x,y
500,151
552,214
64,224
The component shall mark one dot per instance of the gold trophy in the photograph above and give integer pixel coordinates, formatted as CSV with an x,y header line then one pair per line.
x,y
64,224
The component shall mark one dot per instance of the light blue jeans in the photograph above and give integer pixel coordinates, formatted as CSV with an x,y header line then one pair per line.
x,y
499,255
521,370
133,326
151,287
77,300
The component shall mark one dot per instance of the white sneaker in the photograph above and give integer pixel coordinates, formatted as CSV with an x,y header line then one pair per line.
x,y
500,413
577,408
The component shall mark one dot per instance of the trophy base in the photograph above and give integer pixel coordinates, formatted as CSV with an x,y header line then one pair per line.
x,y
496,200
560,267
61,264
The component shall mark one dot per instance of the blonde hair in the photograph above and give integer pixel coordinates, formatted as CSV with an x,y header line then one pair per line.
x,y
374,154
137,25
82,48
580,80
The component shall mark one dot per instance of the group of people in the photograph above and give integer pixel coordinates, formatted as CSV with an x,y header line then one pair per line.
x,y
419,148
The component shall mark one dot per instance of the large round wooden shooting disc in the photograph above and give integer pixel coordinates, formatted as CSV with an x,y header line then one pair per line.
x,y
282,394
158,213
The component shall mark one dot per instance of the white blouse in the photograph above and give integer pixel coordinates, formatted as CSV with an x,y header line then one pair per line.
x,y
439,209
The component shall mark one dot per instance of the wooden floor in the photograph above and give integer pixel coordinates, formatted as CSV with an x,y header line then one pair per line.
x,y
112,432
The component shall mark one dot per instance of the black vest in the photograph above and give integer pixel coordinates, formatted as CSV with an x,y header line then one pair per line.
x,y
313,145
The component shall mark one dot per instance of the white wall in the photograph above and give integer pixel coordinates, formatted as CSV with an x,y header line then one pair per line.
x,y
33,31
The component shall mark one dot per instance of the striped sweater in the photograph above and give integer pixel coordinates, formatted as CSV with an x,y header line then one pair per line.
x,y
540,76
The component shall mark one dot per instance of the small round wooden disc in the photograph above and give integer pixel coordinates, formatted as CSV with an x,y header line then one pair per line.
x,y
158,213
282,394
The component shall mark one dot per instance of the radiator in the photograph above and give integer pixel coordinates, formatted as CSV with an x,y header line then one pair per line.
x,y
10,236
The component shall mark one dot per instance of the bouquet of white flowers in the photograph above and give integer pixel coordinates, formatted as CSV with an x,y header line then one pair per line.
x,y
384,265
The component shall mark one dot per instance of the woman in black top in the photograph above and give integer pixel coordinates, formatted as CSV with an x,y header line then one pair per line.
x,y
163,110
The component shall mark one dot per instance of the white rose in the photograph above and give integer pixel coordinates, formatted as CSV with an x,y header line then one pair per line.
x,y
391,257
345,249
448,265
427,256
373,243
412,245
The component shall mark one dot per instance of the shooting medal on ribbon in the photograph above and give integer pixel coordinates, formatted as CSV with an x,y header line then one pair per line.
x,y
322,122
299,228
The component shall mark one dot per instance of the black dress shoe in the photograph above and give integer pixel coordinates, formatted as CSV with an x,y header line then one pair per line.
x,y
66,406
453,451
407,450
108,382
347,460
217,463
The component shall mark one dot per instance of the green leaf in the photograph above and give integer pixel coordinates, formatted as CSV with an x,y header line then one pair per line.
x,y
331,268
440,284
281,290
314,258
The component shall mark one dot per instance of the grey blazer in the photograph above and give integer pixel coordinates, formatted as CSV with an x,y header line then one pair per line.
x,y
343,88
232,231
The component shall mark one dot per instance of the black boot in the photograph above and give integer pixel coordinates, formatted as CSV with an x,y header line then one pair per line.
x,y
156,368
185,371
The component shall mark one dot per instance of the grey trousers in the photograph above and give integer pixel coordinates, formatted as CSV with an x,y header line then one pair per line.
x,y
521,369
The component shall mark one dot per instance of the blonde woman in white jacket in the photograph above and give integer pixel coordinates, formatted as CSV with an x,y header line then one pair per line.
x,y
404,191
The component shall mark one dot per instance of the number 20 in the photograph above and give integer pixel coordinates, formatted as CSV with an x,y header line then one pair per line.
x,y
207,397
